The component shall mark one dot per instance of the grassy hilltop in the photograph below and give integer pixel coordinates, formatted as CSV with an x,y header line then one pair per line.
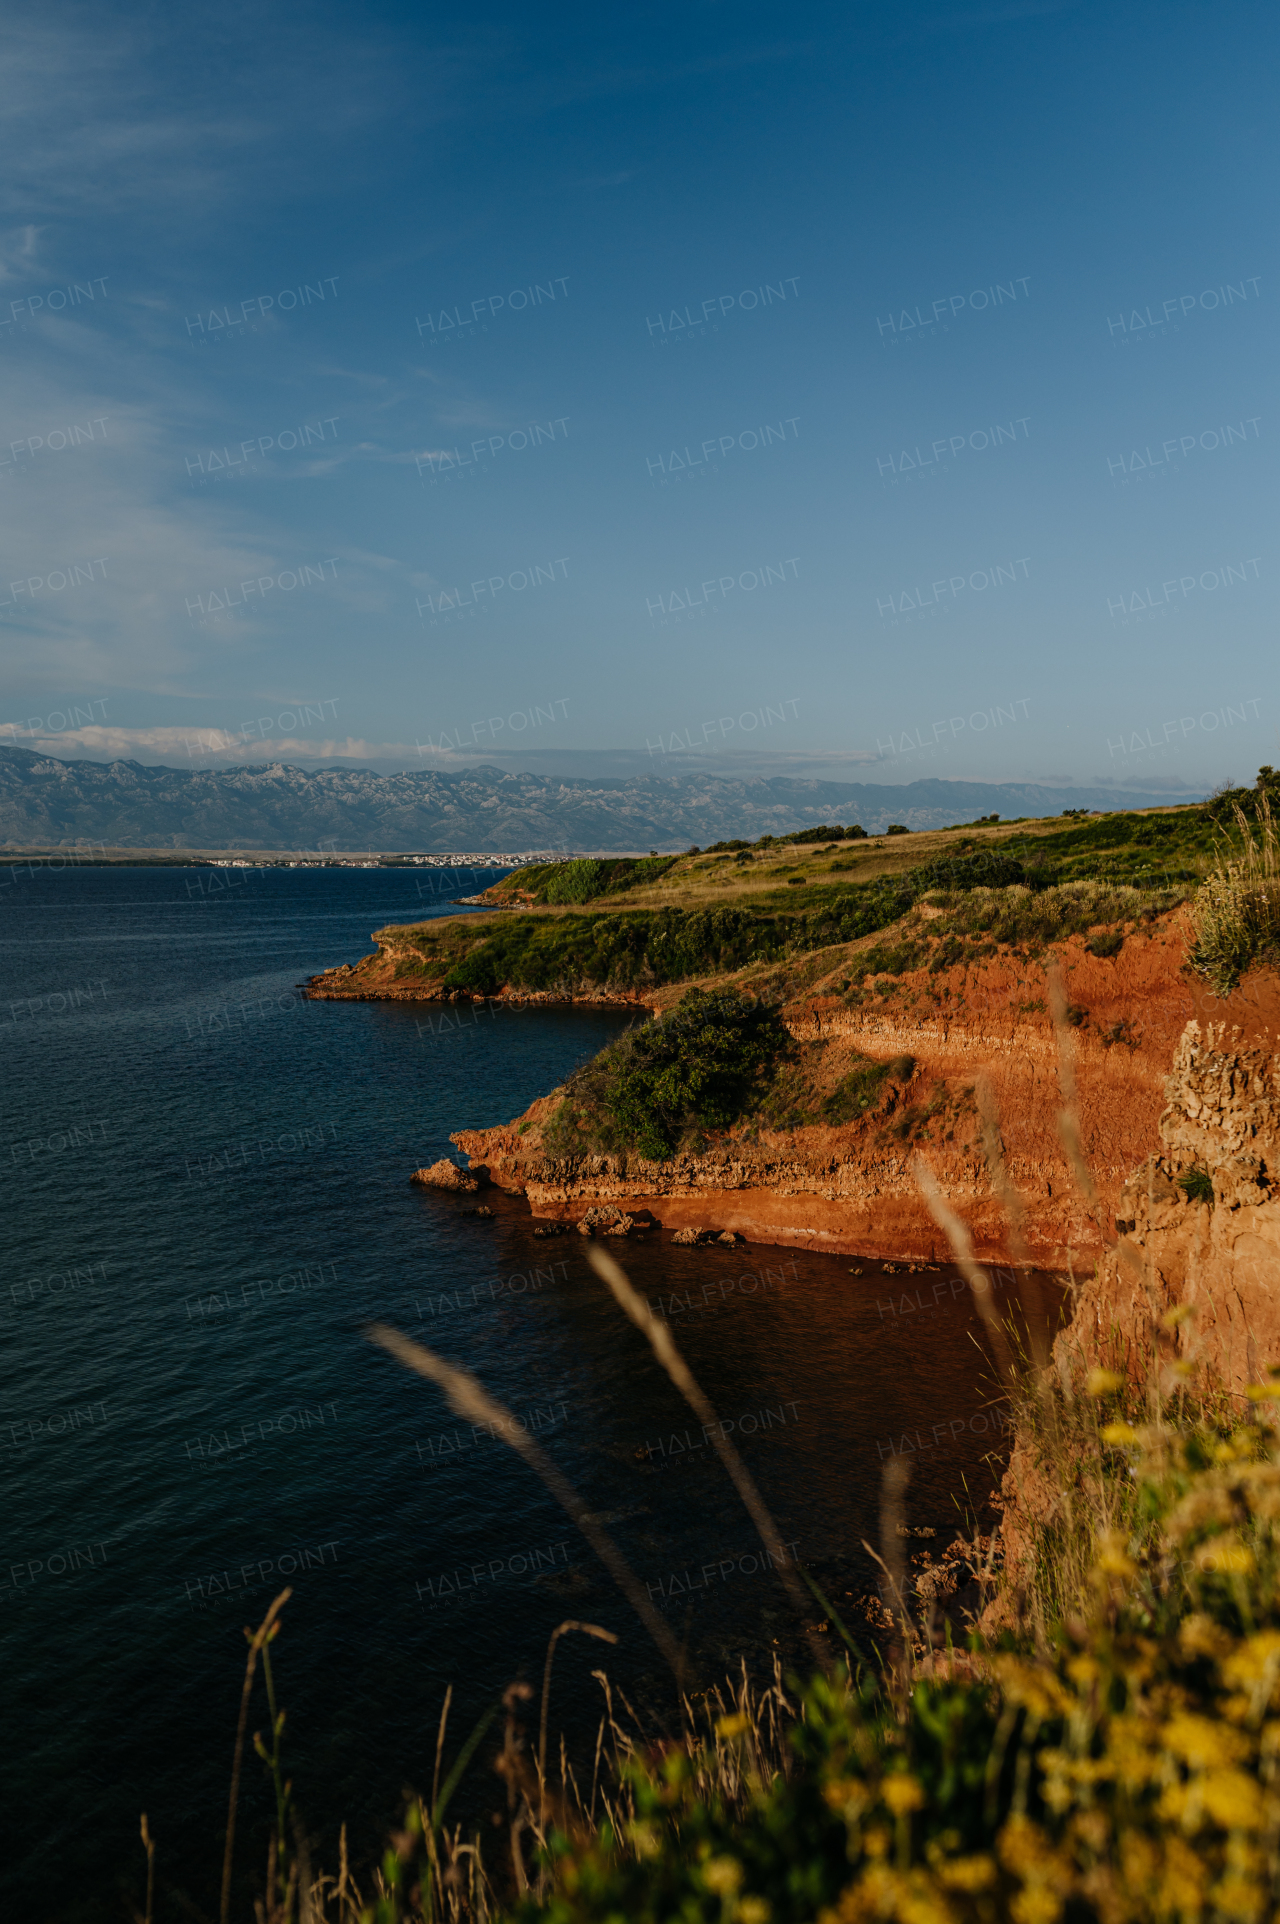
x,y
634,925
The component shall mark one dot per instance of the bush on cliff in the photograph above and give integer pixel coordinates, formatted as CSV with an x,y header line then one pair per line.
x,y
583,880
1227,803
702,1067
1237,911
635,946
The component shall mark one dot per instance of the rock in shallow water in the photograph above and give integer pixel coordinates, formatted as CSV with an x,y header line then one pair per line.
x,y
446,1175
605,1221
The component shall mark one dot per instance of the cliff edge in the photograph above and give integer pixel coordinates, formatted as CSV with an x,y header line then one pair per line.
x,y
923,1043
1200,1216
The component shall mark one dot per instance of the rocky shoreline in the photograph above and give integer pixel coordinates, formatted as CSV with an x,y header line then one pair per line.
x,y
852,1189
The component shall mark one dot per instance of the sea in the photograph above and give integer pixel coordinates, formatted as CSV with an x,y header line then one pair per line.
x,y
208,1206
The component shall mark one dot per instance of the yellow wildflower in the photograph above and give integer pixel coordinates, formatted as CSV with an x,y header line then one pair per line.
x,y
1232,1799
848,1797
754,1910
1178,1314
1224,1555
1119,1433
966,1873
902,1793
1204,1503
1101,1382
1241,1897
1257,1660
1033,1688
1037,1904
1113,1557
722,1875
1203,1742
1200,1636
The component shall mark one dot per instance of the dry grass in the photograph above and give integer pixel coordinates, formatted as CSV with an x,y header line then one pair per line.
x,y
1116,1745
1237,909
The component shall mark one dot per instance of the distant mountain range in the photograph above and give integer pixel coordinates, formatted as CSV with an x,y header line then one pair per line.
x,y
46,802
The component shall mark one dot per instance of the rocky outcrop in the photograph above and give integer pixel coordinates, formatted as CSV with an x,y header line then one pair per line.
x,y
606,1222
395,974
851,1188
447,1175
1190,1290
1198,1222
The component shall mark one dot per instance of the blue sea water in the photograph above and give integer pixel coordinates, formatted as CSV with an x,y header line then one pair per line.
x,y
208,1202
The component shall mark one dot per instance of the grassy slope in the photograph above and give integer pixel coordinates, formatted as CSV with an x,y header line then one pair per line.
x,y
754,911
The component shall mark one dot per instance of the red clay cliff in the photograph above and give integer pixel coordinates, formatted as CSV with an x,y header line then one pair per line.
x,y
851,1189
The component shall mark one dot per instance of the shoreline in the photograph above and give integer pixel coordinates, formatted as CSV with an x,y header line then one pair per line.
x,y
980,1052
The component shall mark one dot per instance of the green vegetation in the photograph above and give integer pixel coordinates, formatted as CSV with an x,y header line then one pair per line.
x,y
584,880
1227,803
1197,1186
992,895
1107,1756
1096,875
975,924
658,1088
1120,1769
625,949
853,833
860,1089
1237,910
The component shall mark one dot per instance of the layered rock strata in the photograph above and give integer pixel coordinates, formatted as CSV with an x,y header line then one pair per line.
x,y
852,1189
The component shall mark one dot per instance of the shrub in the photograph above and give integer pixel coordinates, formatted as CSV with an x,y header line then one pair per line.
x,y
584,880
1197,1186
993,895
634,946
573,882
701,1067
1227,802
825,834
1025,918
1237,910
1109,943
856,1092
897,828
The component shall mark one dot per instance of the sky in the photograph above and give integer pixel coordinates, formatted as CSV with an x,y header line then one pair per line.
x,y
870,391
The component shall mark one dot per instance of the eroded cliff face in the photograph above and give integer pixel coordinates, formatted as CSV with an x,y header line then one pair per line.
x,y
1217,1262
852,1189
1218,1259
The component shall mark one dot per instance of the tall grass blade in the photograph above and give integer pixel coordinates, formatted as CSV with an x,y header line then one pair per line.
x,y
465,1397
664,1348
570,1623
976,1277
257,1640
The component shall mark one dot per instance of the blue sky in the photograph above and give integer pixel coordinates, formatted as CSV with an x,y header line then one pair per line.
x,y
878,391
